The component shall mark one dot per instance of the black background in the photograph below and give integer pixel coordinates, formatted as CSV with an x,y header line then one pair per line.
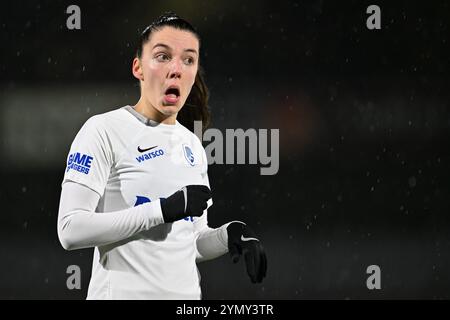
x,y
364,123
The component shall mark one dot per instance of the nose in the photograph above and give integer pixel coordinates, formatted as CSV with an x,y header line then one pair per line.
x,y
175,69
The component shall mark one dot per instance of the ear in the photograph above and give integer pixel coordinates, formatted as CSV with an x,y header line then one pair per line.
x,y
137,69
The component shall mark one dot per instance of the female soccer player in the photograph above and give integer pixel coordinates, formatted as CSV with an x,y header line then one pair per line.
x,y
136,186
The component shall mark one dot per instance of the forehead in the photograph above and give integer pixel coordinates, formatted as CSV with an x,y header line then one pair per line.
x,y
174,38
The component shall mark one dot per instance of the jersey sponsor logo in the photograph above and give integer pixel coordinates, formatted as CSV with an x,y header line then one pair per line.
x,y
150,155
146,149
79,162
141,200
188,154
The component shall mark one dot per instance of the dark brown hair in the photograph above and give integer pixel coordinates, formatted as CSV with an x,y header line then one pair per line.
x,y
196,106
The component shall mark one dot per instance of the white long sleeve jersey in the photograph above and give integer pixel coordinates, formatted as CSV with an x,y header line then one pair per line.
x,y
119,166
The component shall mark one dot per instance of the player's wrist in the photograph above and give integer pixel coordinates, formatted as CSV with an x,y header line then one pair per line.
x,y
173,207
236,229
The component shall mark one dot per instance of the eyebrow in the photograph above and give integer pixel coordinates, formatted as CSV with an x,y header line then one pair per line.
x,y
169,48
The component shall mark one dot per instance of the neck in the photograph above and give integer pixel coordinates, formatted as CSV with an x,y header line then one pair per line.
x,y
150,112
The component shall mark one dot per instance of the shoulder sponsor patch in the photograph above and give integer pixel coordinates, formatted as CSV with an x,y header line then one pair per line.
x,y
79,162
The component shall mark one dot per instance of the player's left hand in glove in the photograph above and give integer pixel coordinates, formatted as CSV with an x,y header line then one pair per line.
x,y
243,241
191,200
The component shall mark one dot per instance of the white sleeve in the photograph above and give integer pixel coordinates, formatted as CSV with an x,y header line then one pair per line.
x,y
91,156
79,226
211,242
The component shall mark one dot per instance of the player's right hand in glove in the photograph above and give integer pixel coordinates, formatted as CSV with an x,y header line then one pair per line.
x,y
243,241
189,201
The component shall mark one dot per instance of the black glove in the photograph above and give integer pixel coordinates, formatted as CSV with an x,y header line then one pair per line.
x,y
189,201
242,240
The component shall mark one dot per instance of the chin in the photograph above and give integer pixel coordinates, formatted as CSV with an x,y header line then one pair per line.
x,y
169,110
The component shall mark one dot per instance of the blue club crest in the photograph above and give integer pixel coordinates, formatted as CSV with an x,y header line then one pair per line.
x,y
188,154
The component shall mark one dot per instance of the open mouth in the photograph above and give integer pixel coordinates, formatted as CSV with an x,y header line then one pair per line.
x,y
172,95
173,91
